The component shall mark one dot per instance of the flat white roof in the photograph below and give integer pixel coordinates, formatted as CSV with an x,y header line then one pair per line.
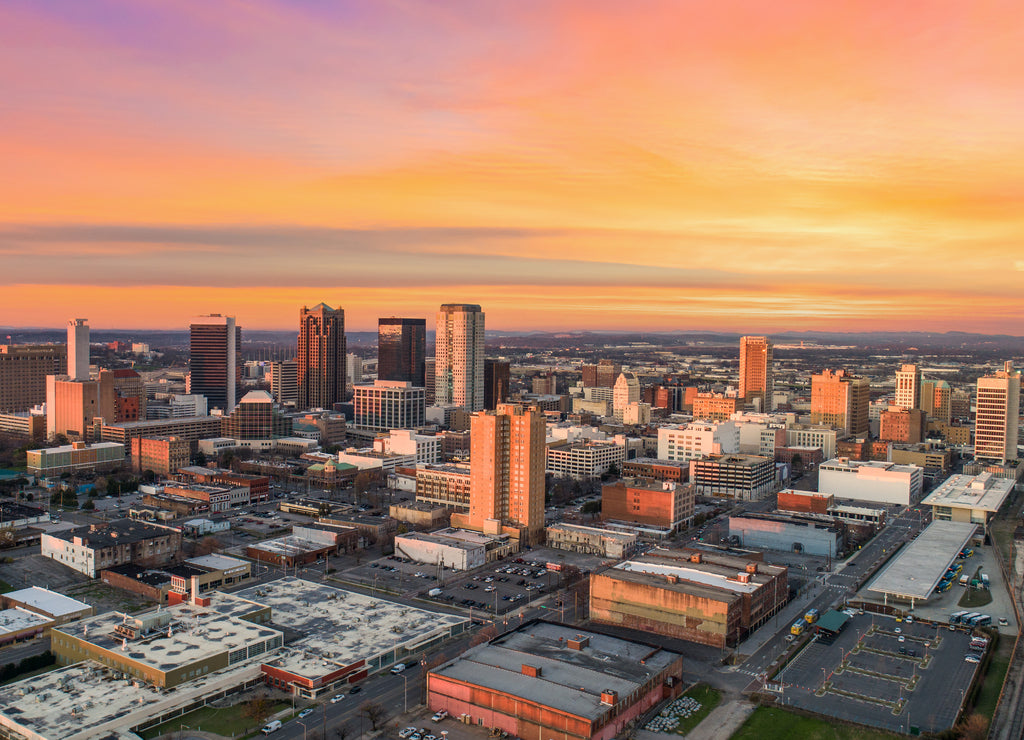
x,y
50,602
17,619
916,571
702,577
217,562
983,492
342,627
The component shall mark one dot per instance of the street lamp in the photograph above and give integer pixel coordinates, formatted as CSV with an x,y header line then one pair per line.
x,y
303,729
181,730
405,694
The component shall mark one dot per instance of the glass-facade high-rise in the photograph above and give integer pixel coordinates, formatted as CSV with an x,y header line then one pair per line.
x,y
215,365
401,350
321,357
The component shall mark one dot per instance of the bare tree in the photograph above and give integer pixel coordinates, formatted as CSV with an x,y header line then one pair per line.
x,y
342,732
373,712
259,707
974,727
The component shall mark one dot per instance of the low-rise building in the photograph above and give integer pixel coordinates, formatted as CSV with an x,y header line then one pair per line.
x,y
606,543
196,576
738,477
584,459
690,441
969,498
24,424
934,458
654,469
258,486
546,680
92,548
443,485
217,498
50,604
459,548
691,595
808,502
77,457
882,482
662,504
812,534
162,455
420,514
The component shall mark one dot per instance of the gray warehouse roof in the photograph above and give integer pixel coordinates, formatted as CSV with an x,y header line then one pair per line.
x,y
914,573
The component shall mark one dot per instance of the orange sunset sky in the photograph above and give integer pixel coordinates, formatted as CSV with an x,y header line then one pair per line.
x,y
741,166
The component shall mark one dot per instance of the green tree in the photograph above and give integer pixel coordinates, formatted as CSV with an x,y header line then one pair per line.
x,y
89,505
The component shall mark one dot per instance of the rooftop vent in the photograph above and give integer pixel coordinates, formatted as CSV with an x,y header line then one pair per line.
x,y
530,670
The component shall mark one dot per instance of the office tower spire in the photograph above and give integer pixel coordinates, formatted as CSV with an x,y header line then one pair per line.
x,y
321,356
459,356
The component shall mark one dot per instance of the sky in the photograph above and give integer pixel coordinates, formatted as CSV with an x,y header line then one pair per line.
x,y
686,165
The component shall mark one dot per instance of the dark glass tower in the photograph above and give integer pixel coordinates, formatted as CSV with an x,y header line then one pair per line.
x,y
401,350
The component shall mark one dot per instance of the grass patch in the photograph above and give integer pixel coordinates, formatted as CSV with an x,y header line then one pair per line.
x,y
975,596
988,695
227,721
708,697
769,722
5,587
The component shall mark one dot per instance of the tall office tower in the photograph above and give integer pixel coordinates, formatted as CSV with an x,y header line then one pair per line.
x,y
430,366
78,349
908,387
507,461
841,400
545,384
935,399
23,371
353,372
960,404
284,382
215,366
321,357
496,379
998,415
602,375
459,356
625,392
401,350
757,379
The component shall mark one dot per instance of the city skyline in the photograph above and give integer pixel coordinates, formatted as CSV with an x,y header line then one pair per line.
x,y
569,166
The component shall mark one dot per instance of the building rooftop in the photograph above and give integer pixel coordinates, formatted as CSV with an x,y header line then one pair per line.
x,y
117,532
46,601
659,462
288,546
18,619
612,534
178,635
688,575
342,627
914,573
983,491
130,425
10,511
216,562
866,466
88,701
746,461
570,680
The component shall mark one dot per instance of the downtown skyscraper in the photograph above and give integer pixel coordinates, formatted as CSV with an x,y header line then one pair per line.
x,y
215,366
459,356
998,415
401,350
321,357
757,379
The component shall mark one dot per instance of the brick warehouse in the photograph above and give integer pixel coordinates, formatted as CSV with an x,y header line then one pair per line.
x,y
706,598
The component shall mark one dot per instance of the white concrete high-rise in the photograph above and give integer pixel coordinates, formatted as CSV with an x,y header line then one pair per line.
x,y
908,387
998,415
78,349
625,391
459,356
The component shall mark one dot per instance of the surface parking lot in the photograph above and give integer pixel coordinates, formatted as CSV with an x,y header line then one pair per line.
x,y
884,673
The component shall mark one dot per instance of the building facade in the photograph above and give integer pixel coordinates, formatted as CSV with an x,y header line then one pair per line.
x,y
665,505
284,382
998,415
496,380
757,377
95,547
23,371
882,482
698,439
321,357
215,366
738,477
459,356
77,457
402,350
841,400
908,387
389,404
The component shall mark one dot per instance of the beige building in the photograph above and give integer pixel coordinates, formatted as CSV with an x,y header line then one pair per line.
x,y
625,392
76,457
459,357
507,463
998,415
23,371
714,406
908,387
969,498
73,405
444,485
841,400
606,543
757,378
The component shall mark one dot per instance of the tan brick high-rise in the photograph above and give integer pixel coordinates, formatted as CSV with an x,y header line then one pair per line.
x,y
840,400
757,381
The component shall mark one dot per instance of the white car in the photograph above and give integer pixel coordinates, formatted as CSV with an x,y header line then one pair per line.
x,y
440,715
407,732
336,698
971,659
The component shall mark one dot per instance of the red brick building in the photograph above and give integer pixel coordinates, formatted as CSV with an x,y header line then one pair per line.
x,y
805,501
659,504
